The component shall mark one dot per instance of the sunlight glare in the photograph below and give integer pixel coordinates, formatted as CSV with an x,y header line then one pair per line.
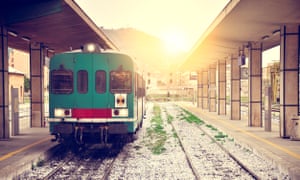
x,y
175,42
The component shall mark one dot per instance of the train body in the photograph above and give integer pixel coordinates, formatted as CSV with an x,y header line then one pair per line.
x,y
95,97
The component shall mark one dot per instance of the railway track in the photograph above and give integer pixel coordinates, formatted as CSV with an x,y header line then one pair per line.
x,y
188,156
245,167
59,168
91,165
108,170
214,158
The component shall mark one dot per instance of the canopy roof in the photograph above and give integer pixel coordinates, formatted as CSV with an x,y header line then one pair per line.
x,y
60,25
240,22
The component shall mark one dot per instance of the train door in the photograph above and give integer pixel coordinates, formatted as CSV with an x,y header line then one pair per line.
x,y
82,80
100,81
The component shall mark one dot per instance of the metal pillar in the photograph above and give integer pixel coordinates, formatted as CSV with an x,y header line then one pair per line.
x,y
255,85
4,90
268,108
15,111
235,110
221,87
212,88
37,84
289,77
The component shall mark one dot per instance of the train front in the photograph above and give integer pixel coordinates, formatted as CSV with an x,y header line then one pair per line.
x,y
92,98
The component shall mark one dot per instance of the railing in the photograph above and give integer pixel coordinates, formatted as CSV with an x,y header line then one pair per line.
x,y
25,114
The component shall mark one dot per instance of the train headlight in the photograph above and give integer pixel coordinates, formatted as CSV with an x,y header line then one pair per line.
x,y
121,100
60,112
119,112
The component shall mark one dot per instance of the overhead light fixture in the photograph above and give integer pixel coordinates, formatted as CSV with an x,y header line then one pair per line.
x,y
91,47
277,31
265,37
25,38
12,33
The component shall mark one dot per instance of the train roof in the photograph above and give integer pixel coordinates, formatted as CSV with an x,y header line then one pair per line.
x,y
95,49
79,51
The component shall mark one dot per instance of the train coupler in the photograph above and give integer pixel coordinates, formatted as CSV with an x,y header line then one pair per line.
x,y
78,135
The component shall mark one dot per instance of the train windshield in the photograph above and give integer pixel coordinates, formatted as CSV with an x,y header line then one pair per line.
x,y
82,81
61,82
100,82
120,82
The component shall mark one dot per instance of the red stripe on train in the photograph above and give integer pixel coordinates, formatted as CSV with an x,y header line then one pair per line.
x,y
91,113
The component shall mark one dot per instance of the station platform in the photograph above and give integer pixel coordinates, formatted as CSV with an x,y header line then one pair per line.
x,y
284,153
24,151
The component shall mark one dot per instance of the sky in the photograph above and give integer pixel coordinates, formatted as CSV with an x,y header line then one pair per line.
x,y
174,21
179,23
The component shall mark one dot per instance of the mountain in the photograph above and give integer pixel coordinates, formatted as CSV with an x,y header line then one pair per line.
x,y
148,51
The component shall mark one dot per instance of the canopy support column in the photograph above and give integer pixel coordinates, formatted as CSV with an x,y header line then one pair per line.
x,y
235,90
289,77
37,84
221,87
255,85
4,99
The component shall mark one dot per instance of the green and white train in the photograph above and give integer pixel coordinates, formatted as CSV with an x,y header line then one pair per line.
x,y
95,97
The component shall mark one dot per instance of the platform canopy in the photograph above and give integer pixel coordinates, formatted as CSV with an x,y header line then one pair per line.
x,y
60,25
240,22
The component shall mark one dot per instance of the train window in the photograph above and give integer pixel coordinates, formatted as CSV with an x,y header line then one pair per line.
x,y
120,82
140,89
61,82
82,81
100,81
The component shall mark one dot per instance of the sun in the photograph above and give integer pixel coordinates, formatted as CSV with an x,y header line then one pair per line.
x,y
174,42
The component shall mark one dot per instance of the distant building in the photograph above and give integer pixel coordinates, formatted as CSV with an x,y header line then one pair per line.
x,y
272,78
19,60
18,69
178,85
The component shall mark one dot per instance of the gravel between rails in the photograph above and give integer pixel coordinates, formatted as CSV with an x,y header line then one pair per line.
x,y
138,162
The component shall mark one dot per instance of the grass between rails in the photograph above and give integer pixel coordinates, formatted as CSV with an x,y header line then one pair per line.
x,y
156,132
170,120
159,136
191,118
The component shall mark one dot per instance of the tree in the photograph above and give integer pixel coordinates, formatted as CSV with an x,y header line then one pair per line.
x,y
26,84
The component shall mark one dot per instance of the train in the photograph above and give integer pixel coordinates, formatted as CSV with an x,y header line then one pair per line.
x,y
95,97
